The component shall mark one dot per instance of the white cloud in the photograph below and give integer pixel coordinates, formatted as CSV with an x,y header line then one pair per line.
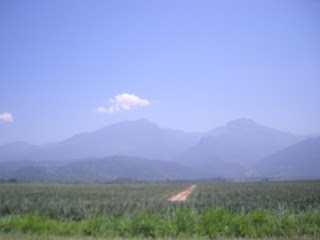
x,y
122,102
101,110
7,117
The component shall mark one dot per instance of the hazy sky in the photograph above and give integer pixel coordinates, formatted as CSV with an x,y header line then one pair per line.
x,y
74,66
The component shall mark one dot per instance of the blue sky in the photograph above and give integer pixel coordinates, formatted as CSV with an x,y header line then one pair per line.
x,y
198,64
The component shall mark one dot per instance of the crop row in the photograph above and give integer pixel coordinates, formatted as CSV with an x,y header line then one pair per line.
x,y
294,195
81,200
260,209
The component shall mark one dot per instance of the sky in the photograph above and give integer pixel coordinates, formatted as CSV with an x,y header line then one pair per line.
x,y
76,66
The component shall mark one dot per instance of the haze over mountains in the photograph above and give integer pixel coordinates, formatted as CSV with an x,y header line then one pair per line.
x,y
104,169
230,149
139,138
142,150
299,160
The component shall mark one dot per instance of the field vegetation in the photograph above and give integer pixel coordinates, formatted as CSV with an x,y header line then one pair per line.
x,y
213,210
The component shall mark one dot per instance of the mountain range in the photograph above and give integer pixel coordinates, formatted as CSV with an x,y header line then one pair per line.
x,y
232,149
104,170
142,150
299,160
139,138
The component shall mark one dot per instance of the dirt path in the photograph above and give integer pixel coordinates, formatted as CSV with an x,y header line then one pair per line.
x,y
182,196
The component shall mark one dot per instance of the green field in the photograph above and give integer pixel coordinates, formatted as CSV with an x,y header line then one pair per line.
x,y
213,210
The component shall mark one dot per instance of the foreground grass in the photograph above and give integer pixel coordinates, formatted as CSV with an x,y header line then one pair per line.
x,y
257,210
184,223
193,238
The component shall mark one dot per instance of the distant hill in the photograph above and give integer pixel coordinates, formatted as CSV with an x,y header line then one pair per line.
x,y
14,165
16,151
246,142
228,150
139,138
300,160
106,169
203,157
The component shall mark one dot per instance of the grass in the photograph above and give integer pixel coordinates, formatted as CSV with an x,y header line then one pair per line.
x,y
184,238
289,210
212,223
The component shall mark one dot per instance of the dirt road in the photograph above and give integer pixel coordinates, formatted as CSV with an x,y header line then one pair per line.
x,y
182,196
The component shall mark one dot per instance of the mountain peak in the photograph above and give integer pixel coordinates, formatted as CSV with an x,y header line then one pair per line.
x,y
142,121
137,123
130,123
243,122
